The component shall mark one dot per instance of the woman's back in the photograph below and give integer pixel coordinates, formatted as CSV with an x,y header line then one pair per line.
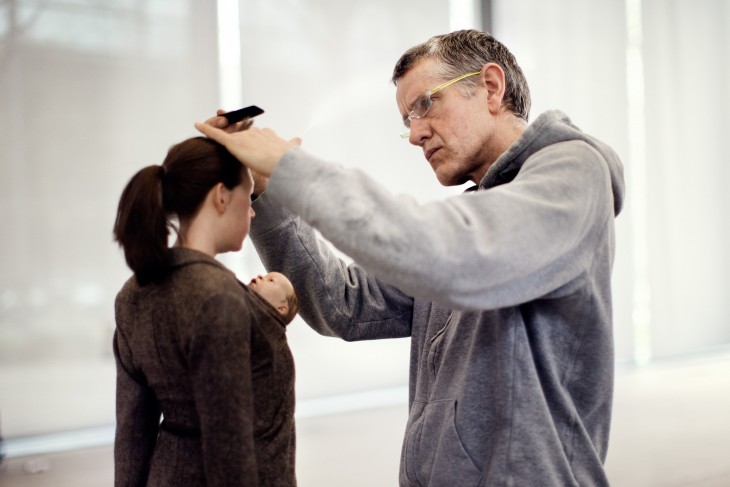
x,y
207,353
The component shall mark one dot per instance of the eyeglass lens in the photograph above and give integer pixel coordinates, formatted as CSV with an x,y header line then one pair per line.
x,y
420,108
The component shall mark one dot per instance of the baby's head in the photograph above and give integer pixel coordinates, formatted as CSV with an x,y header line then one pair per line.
x,y
275,288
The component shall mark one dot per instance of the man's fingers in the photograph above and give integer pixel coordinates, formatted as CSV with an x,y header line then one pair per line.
x,y
220,122
246,124
211,132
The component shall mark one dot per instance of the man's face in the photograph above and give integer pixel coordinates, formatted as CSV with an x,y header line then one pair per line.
x,y
455,133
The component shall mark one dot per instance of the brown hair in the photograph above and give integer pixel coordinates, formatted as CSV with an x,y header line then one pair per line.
x,y
155,194
464,51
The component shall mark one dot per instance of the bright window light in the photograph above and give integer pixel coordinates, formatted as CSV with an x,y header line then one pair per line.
x,y
229,55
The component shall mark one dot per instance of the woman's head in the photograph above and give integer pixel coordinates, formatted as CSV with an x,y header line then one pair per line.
x,y
177,188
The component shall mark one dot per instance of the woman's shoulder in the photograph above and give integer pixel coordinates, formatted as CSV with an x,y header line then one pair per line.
x,y
202,280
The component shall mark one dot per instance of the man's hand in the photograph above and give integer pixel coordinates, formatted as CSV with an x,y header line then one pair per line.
x,y
221,122
259,149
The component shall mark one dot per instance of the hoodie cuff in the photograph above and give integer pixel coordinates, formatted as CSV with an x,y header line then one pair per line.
x,y
269,216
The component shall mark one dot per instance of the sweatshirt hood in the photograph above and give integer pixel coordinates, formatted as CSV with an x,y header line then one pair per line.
x,y
550,128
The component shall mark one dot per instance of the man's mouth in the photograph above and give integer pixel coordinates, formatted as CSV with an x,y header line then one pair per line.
x,y
430,152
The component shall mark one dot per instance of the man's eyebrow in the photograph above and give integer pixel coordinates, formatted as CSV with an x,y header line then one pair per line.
x,y
408,111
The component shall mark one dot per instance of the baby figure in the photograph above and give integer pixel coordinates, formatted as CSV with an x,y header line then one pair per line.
x,y
278,291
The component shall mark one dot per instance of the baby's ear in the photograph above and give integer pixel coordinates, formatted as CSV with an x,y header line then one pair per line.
x,y
283,309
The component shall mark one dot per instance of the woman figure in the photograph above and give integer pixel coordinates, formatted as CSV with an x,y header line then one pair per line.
x,y
193,345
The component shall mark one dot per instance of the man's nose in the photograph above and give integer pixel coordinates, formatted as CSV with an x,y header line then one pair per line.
x,y
419,131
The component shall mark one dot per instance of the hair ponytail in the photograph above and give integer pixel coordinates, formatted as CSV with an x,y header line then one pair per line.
x,y
141,227
176,188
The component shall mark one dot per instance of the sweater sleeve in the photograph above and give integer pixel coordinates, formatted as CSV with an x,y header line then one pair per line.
x,y
219,357
483,250
335,298
137,416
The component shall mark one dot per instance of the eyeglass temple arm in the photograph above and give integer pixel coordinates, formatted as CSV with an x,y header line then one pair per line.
x,y
451,82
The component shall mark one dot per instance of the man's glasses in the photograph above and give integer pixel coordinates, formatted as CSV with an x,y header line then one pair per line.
x,y
424,103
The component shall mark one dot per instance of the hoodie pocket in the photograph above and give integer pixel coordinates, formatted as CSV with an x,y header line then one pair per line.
x,y
435,350
434,454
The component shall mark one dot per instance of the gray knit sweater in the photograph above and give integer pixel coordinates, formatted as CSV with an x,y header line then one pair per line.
x,y
505,292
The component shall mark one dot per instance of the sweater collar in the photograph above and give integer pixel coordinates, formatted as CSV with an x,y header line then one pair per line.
x,y
180,256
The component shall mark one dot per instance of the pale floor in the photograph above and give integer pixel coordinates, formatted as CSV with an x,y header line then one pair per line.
x,y
671,428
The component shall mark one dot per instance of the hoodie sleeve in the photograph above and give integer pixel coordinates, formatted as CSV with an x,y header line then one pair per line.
x,y
335,298
484,250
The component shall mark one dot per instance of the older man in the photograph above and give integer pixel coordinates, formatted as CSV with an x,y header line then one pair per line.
x,y
504,290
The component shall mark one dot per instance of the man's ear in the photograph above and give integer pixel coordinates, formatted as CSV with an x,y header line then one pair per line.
x,y
221,197
494,79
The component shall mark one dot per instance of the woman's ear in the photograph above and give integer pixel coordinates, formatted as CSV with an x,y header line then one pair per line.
x,y
221,197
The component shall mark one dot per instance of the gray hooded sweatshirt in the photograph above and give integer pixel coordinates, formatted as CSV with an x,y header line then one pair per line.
x,y
505,292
